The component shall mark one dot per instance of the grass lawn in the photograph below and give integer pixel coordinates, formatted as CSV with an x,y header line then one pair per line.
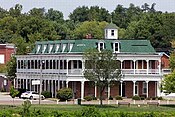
x,y
123,108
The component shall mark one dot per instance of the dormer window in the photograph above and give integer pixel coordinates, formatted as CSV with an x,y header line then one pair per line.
x,y
38,48
57,47
50,48
112,32
44,48
116,47
101,46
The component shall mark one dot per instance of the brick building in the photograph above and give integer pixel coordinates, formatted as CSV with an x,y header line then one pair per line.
x,y
6,51
63,64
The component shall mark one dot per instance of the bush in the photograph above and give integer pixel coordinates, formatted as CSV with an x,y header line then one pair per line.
x,y
160,98
64,94
88,98
153,98
110,97
136,97
94,98
142,98
47,94
118,97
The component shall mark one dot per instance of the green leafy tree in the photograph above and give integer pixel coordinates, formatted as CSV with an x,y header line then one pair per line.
x,y
54,15
102,68
13,93
96,29
11,68
172,61
168,83
64,94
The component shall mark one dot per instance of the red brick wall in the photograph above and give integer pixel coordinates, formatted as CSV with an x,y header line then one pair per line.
x,y
151,89
129,89
7,52
90,88
165,63
115,89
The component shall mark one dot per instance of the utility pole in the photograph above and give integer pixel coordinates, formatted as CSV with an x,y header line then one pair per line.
x,y
40,81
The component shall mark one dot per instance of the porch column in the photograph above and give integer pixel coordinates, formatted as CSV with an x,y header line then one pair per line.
x,y
158,89
159,66
134,66
67,65
147,88
67,84
52,87
58,85
147,65
17,83
44,85
55,88
82,90
26,83
83,66
95,90
109,89
30,84
121,82
134,88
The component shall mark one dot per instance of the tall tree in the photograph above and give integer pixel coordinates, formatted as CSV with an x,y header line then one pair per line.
x,y
168,83
102,68
54,15
96,29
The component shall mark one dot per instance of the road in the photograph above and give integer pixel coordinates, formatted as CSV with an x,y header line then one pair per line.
x,y
5,99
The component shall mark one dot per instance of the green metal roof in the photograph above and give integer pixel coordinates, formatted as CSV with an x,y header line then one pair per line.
x,y
111,26
81,45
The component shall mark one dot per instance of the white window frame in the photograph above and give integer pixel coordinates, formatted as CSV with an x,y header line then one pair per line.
x,y
114,47
99,45
144,86
50,48
57,47
112,32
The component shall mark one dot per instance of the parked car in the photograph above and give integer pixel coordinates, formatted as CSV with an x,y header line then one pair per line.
x,y
31,95
20,92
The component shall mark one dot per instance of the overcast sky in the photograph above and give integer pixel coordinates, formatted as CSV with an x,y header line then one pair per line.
x,y
67,6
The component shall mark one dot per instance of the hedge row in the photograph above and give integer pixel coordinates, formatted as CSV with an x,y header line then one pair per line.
x,y
85,112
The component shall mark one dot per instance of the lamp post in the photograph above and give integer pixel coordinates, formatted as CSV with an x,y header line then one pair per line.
x,y
40,89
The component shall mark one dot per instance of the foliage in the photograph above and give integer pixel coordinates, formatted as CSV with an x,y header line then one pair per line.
x,y
118,97
11,68
88,98
46,94
110,97
172,61
26,107
64,94
136,97
96,29
101,67
168,83
13,93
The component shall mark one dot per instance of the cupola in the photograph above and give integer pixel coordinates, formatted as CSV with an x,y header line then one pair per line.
x,y
111,31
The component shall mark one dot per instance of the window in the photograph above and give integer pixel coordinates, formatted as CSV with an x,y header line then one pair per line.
x,y
100,46
144,88
50,48
44,48
112,32
38,48
116,47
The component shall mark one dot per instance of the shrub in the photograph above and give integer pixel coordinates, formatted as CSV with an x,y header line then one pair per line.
x,y
94,98
110,97
160,98
118,97
88,98
47,94
142,98
153,98
136,97
64,94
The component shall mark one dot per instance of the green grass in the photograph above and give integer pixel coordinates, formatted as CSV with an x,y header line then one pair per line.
x,y
123,108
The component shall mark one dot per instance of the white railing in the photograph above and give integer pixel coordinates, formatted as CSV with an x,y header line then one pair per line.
x,y
75,71
140,71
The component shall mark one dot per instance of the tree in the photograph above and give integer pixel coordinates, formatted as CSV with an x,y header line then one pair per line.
x,y
13,93
168,83
11,69
54,15
95,28
102,68
64,94
172,61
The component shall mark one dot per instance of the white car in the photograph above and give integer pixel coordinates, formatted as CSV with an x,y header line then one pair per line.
x,y
31,95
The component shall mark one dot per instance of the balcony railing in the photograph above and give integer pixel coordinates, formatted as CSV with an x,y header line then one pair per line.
x,y
79,71
140,71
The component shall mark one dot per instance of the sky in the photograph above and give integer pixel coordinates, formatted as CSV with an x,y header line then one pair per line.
x,y
67,6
